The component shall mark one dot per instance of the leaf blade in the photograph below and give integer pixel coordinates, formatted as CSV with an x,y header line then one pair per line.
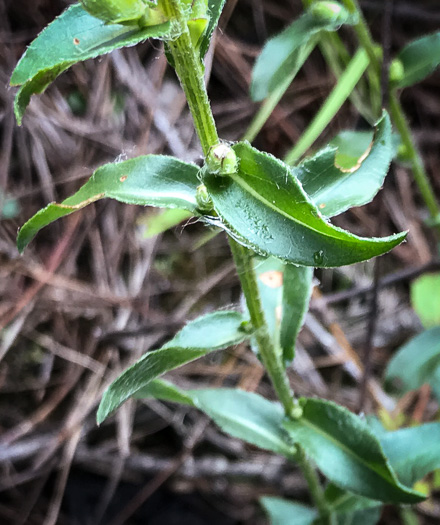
x,y
425,299
413,452
72,37
417,362
153,180
283,512
208,333
346,451
165,391
282,54
297,290
246,416
264,207
333,188
419,59
215,10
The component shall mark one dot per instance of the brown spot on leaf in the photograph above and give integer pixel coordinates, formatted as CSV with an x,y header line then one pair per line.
x,y
82,204
76,41
322,205
272,279
123,178
358,163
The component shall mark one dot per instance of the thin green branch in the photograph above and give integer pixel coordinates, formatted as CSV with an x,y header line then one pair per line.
x,y
413,155
316,491
331,106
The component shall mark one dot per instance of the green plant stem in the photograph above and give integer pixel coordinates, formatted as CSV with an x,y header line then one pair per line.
x,y
366,41
271,359
418,169
191,76
331,106
189,70
314,485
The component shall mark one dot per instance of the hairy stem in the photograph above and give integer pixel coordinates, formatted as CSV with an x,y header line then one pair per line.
x,y
271,359
190,71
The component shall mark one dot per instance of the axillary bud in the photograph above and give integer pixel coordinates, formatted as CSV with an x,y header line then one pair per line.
x,y
222,160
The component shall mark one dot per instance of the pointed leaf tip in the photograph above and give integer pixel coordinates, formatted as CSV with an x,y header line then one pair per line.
x,y
205,334
265,208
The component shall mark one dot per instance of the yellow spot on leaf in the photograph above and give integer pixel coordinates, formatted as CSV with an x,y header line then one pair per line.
x,y
272,279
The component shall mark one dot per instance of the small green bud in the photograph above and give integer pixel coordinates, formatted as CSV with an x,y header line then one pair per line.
x,y
403,153
327,11
297,412
246,327
397,71
115,11
222,160
378,51
204,202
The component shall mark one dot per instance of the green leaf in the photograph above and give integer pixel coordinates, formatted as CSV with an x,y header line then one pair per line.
x,y
199,337
285,293
72,37
115,11
297,290
264,207
282,54
283,512
165,391
246,416
215,10
346,451
419,59
413,452
344,501
270,276
152,180
334,187
351,509
359,517
157,223
417,362
425,299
